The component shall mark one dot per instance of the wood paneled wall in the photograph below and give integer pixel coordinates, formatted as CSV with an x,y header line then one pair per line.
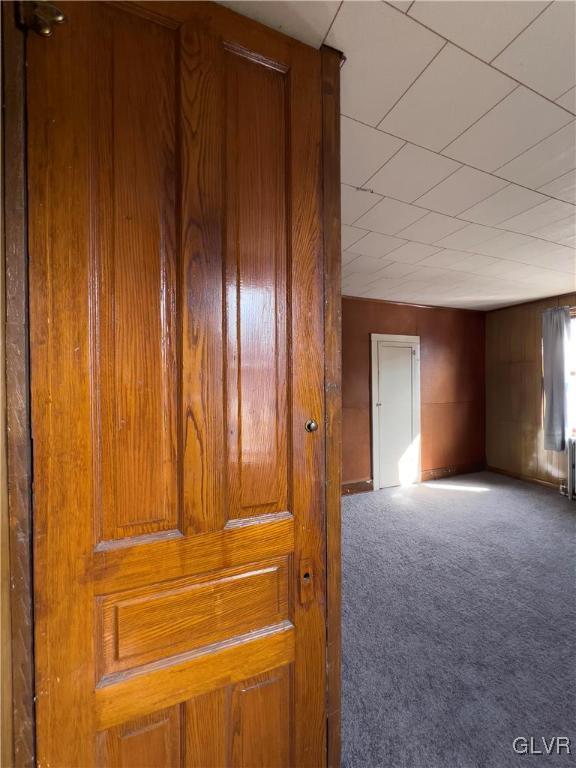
x,y
451,387
514,436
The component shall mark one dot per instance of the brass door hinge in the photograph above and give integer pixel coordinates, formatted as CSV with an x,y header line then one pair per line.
x,y
39,16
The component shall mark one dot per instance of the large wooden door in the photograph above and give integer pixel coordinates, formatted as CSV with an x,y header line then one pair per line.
x,y
176,348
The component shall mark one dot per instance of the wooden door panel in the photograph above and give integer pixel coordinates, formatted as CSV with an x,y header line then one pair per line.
x,y
243,725
256,284
261,721
176,356
207,735
133,263
165,684
136,282
145,625
145,743
181,556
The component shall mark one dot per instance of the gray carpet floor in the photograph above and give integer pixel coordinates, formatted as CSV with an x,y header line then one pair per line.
x,y
459,624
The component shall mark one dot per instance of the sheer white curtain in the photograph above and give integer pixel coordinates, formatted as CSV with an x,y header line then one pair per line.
x,y
555,338
571,379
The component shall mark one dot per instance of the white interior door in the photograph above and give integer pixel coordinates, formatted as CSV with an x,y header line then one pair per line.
x,y
398,439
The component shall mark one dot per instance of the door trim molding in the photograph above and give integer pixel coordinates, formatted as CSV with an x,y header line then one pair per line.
x,y
18,439
392,340
331,61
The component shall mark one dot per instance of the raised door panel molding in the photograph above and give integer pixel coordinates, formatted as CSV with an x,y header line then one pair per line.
x,y
141,626
257,240
133,280
245,724
149,742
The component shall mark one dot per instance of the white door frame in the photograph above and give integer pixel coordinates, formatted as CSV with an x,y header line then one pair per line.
x,y
393,340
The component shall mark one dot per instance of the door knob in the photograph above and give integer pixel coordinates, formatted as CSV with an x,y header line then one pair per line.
x,y
311,425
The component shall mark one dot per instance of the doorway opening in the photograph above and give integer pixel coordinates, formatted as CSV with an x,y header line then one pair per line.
x,y
395,410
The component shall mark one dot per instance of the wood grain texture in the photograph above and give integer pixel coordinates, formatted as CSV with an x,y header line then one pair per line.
x,y
256,286
203,383
60,372
307,384
536,481
134,696
360,487
207,732
143,625
331,62
451,382
258,739
177,350
18,670
514,392
6,713
181,556
240,724
231,727
133,277
458,469
152,741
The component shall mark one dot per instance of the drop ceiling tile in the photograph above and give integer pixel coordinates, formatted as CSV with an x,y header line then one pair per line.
x,y
460,191
402,5
568,100
444,258
366,265
347,271
378,41
501,268
454,91
542,258
307,22
545,278
502,245
376,245
558,282
390,216
355,202
451,279
475,263
544,55
397,269
545,213
411,172
503,205
571,265
431,275
557,231
544,254
431,228
564,187
363,150
570,241
348,257
529,274
383,289
350,235
516,124
356,282
547,160
468,238
483,28
412,253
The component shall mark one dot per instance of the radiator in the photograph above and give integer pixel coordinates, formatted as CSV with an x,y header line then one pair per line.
x,y
571,450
